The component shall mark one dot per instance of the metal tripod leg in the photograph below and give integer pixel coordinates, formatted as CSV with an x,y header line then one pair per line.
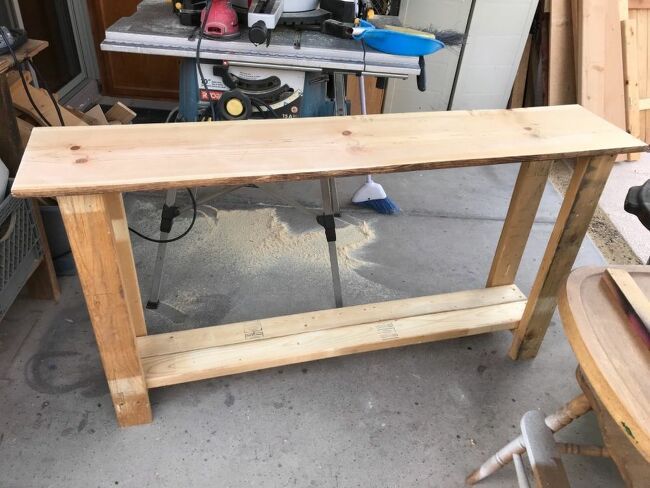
x,y
327,221
156,279
340,109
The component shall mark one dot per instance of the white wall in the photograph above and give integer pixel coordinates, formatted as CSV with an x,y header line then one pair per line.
x,y
403,95
495,42
497,35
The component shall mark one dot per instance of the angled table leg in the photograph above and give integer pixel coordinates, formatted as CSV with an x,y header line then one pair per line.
x,y
98,234
524,203
578,207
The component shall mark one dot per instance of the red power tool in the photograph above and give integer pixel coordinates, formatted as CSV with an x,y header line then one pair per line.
x,y
221,21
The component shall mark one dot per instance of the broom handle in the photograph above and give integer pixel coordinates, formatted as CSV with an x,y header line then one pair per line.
x,y
364,109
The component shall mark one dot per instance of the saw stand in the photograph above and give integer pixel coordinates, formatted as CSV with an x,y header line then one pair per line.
x,y
326,218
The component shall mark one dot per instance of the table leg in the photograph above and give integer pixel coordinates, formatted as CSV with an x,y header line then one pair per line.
x,y
524,203
580,201
99,236
43,284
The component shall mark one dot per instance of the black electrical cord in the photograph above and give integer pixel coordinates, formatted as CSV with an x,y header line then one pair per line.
x,y
198,58
177,238
19,66
259,103
43,83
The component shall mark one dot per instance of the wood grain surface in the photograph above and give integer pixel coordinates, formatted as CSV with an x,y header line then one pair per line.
x,y
83,160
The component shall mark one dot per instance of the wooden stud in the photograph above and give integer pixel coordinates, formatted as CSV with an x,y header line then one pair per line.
x,y
115,206
630,75
94,236
580,201
524,203
561,70
43,284
252,351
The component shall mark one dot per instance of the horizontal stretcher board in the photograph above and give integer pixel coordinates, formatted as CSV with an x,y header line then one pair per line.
x,y
101,159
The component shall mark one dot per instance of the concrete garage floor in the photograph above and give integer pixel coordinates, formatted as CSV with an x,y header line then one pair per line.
x,y
410,417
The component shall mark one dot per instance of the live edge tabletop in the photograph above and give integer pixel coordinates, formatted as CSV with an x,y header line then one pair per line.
x,y
83,160
88,169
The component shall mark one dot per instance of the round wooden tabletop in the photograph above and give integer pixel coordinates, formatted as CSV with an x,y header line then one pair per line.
x,y
613,358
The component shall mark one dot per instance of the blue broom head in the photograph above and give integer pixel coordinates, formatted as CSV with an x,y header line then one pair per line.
x,y
383,206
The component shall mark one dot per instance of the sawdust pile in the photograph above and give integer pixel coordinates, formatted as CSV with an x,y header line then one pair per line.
x,y
255,240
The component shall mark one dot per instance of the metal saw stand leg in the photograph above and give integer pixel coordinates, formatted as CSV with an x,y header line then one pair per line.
x,y
165,228
340,110
327,221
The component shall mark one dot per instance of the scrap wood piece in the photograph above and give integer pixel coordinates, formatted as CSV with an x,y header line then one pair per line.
x,y
599,60
120,113
631,76
25,130
632,300
44,104
95,116
561,70
28,50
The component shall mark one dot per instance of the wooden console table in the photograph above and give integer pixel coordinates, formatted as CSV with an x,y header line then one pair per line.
x,y
88,168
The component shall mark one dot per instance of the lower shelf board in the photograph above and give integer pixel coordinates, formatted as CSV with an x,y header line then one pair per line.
x,y
210,352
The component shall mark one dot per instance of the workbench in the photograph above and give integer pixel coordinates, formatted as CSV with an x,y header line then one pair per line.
x,y
88,169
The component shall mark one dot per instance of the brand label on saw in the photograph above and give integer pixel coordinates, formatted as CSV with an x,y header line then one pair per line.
x,y
207,95
387,331
253,332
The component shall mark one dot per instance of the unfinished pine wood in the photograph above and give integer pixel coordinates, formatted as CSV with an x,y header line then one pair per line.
x,y
561,70
524,204
614,361
28,50
44,104
268,328
117,214
580,201
630,78
260,353
93,236
599,61
638,24
82,160
120,113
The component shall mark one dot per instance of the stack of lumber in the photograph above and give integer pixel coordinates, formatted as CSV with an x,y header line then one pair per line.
x,y
591,52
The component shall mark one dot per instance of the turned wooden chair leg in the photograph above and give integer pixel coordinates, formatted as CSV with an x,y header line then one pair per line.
x,y
564,416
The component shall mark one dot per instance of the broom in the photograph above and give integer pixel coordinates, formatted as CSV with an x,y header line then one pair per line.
x,y
371,194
